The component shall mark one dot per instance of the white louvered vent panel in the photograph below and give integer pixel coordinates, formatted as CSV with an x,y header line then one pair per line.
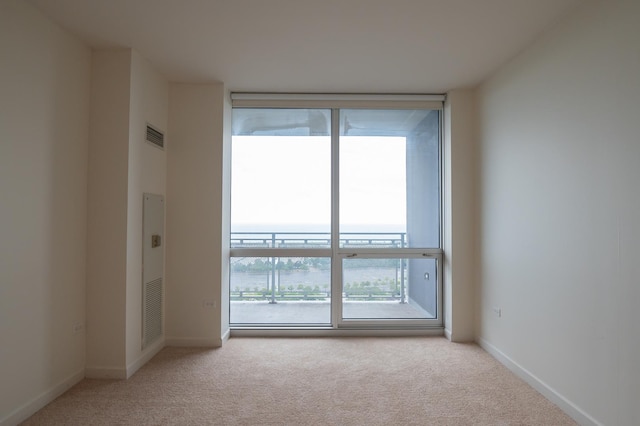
x,y
152,311
155,137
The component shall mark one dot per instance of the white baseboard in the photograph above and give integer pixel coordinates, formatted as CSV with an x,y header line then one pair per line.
x,y
575,412
106,373
27,410
447,334
226,335
149,352
193,342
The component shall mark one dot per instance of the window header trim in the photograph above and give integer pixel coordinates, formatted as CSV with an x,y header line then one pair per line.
x,y
336,100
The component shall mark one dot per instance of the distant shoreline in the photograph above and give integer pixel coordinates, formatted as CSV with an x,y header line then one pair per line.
x,y
305,228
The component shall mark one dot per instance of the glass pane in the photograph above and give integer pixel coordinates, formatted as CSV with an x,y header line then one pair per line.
x,y
280,290
389,288
390,178
281,178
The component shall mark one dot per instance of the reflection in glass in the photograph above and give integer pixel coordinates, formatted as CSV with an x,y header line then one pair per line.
x,y
390,178
389,288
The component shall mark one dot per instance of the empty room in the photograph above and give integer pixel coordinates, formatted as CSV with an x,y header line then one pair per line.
x,y
339,212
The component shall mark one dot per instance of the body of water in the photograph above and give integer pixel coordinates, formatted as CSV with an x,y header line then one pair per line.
x,y
321,278
312,277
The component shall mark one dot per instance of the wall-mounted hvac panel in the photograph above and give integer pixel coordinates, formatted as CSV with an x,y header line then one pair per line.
x,y
152,267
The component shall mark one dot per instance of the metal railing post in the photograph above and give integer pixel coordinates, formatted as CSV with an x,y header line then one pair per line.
x,y
273,271
402,285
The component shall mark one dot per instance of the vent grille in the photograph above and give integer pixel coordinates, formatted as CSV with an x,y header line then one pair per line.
x,y
152,311
155,137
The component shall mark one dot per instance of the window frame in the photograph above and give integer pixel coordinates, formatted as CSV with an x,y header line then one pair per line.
x,y
336,253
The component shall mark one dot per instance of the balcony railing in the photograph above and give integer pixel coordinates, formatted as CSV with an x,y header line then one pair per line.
x,y
316,239
291,240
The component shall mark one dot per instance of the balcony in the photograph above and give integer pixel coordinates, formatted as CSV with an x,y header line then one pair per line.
x,y
297,290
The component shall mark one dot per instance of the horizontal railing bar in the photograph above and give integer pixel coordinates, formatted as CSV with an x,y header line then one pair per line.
x,y
279,252
263,243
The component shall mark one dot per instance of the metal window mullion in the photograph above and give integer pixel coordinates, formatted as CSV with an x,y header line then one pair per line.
x,y
391,323
336,261
389,252
439,288
441,180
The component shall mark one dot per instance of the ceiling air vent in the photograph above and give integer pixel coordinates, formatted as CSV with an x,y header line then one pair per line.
x,y
155,137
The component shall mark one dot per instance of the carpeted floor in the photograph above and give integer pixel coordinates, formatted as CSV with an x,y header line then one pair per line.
x,y
311,381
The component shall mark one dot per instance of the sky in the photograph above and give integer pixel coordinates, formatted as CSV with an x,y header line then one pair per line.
x,y
285,180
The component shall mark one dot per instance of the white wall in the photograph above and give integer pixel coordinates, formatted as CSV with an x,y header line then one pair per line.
x,y
459,215
559,228
107,221
44,104
126,94
195,213
149,103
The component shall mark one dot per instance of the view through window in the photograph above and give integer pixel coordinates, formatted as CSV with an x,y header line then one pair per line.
x,y
335,217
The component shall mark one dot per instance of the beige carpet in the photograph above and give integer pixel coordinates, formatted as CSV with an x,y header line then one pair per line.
x,y
311,381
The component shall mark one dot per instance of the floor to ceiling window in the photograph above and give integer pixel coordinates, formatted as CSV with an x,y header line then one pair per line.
x,y
336,213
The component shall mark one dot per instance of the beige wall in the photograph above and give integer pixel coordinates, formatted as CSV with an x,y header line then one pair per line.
x,y
149,103
44,104
195,181
459,215
107,209
126,94
74,165
559,228
556,232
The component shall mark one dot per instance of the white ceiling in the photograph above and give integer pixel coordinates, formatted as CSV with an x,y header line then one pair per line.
x,y
349,46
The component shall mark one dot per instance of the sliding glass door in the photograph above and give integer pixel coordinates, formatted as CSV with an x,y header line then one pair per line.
x,y
335,217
